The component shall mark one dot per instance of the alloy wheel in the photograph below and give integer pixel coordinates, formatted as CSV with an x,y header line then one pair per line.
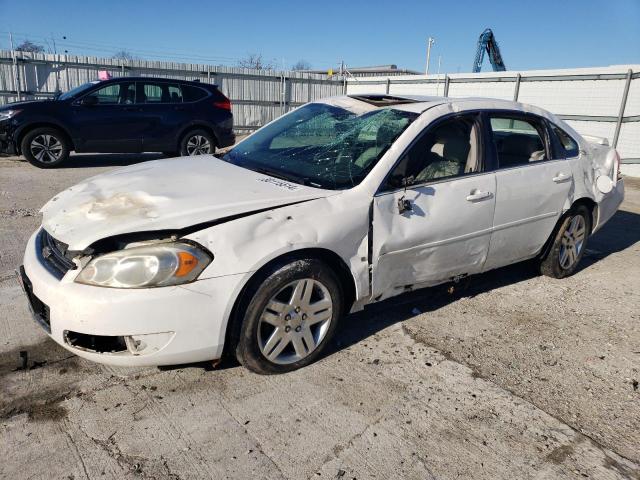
x,y
295,321
198,145
46,148
572,242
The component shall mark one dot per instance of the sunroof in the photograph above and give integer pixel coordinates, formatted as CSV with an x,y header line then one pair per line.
x,y
382,100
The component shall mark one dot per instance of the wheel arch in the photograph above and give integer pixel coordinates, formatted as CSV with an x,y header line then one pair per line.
x,y
197,126
330,258
589,203
32,126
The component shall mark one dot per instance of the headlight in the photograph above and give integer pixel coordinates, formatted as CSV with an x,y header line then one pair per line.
x,y
7,114
156,265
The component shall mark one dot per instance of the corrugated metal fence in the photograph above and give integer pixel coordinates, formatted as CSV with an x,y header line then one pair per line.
x,y
257,96
604,102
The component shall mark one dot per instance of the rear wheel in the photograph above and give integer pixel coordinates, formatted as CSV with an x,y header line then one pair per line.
x,y
197,142
568,245
290,317
45,147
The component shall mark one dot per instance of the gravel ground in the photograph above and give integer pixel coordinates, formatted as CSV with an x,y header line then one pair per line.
x,y
507,375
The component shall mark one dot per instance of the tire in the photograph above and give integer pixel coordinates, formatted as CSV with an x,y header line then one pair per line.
x,y
272,325
45,147
568,245
197,142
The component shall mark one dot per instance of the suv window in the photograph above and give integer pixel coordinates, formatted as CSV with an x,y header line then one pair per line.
x,y
569,146
192,94
449,149
160,93
518,141
116,94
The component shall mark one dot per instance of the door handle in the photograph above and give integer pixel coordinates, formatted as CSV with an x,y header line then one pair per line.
x,y
477,195
561,177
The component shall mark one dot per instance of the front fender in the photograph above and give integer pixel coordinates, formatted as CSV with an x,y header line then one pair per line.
x,y
339,224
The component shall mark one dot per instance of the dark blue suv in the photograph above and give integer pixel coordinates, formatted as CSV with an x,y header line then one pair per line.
x,y
121,115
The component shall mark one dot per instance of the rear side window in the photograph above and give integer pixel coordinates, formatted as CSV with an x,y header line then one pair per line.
x,y
160,93
518,141
192,94
569,145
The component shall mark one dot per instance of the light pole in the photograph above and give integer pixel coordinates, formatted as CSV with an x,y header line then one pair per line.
x,y
430,42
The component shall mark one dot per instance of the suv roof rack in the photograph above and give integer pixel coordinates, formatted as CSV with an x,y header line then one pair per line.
x,y
382,100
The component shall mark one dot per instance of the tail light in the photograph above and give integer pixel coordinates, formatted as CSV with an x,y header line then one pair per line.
x,y
224,103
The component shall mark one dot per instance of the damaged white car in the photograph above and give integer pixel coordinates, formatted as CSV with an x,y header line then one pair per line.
x,y
336,205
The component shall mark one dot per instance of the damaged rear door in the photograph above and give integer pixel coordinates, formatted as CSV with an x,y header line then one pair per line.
x,y
433,217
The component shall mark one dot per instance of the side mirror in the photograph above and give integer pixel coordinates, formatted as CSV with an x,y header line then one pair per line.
x,y
89,101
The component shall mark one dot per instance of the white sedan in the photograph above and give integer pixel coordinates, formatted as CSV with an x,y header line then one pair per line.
x,y
338,204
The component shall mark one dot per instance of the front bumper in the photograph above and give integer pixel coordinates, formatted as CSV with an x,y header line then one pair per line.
x,y
7,144
179,324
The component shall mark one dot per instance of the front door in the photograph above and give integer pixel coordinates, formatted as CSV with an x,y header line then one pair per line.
x,y
113,124
432,220
532,188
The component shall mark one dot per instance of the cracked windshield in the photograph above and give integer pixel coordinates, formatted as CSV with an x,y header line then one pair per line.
x,y
322,145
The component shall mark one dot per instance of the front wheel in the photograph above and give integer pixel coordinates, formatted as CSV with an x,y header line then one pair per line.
x,y
45,147
290,317
568,245
197,142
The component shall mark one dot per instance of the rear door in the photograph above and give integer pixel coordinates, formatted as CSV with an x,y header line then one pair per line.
x,y
532,187
164,113
439,225
113,124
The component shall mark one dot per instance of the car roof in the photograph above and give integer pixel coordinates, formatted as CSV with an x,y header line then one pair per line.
x,y
421,103
158,79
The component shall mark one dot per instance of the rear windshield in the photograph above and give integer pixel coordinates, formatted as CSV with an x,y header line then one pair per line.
x,y
322,145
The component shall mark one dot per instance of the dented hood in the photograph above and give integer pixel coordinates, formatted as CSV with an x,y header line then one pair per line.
x,y
164,195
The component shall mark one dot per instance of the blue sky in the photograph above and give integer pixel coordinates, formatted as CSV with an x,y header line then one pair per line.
x,y
532,34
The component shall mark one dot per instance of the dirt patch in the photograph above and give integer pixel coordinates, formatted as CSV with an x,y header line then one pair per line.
x,y
40,406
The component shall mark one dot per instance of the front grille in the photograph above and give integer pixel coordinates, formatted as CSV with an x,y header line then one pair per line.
x,y
54,254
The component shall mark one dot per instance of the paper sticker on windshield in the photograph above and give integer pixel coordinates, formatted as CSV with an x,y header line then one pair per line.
x,y
280,183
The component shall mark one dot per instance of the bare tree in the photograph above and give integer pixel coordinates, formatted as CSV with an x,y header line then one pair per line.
x,y
123,55
256,61
29,46
301,65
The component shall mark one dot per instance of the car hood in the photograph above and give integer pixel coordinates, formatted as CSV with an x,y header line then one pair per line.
x,y
24,104
169,194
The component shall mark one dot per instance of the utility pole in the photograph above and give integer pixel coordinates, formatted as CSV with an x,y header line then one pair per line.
x,y
430,42
16,73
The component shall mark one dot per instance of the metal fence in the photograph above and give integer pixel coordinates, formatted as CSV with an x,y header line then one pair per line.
x,y
602,101
257,96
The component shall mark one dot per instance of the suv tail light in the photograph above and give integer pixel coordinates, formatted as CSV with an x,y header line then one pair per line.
x,y
224,103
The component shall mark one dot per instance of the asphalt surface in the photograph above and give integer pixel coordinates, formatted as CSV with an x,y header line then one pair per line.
x,y
507,375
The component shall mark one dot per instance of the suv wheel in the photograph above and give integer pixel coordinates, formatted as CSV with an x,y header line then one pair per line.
x,y
45,147
290,317
197,142
568,245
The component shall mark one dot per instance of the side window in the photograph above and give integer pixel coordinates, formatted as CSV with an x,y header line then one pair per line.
x,y
153,93
175,94
517,141
115,94
569,146
449,149
192,94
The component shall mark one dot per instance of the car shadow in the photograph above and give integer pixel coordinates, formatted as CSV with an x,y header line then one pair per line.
x,y
86,160
621,232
